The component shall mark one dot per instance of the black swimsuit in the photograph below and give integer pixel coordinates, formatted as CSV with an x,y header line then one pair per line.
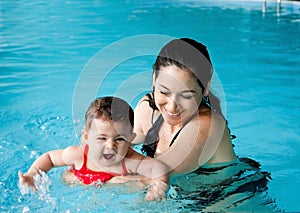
x,y
241,176
151,139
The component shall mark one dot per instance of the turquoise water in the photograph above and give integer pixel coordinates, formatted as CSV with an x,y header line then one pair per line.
x,y
46,50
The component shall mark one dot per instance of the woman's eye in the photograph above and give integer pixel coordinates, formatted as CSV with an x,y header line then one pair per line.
x,y
164,93
185,96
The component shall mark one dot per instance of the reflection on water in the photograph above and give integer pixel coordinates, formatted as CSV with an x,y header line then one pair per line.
x,y
236,186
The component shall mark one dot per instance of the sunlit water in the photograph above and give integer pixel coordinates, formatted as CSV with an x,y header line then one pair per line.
x,y
44,46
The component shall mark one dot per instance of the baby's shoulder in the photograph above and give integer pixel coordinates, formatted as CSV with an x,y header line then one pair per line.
x,y
73,154
74,149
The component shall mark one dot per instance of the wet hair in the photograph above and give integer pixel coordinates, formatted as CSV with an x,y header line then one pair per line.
x,y
192,56
110,109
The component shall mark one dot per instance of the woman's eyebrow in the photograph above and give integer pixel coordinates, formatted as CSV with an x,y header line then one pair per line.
x,y
160,85
184,91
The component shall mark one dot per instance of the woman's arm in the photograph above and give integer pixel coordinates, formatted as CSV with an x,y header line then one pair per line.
x,y
197,144
159,178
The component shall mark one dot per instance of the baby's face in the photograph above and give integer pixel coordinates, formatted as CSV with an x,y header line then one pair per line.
x,y
108,141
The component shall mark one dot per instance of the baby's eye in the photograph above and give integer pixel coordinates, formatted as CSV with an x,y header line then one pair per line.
x,y
120,140
101,139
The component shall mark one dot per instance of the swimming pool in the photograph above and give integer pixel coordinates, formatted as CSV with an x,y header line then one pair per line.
x,y
45,48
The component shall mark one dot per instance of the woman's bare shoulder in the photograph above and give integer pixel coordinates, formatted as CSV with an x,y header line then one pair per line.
x,y
197,142
134,155
143,115
143,105
208,117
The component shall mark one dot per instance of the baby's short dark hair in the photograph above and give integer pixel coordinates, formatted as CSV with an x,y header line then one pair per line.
x,y
109,108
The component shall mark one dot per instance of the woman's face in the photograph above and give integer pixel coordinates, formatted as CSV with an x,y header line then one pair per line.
x,y
177,94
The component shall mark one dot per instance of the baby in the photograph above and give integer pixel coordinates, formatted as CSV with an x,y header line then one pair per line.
x,y
104,153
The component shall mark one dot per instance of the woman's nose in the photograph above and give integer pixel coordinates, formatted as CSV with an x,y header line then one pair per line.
x,y
173,103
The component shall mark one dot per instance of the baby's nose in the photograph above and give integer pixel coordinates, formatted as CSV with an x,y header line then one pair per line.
x,y
110,144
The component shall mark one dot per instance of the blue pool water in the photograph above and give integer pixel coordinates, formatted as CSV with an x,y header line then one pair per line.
x,y
46,58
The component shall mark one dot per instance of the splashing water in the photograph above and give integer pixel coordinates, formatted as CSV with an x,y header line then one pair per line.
x,y
42,183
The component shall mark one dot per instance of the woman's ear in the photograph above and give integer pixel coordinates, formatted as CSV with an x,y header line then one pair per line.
x,y
153,79
206,92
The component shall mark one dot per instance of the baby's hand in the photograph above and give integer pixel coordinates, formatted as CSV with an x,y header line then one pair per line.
x,y
157,191
27,180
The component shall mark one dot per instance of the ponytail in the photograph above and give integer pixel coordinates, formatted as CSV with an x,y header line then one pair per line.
x,y
215,104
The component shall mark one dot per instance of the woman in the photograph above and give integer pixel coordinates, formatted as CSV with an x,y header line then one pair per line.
x,y
181,124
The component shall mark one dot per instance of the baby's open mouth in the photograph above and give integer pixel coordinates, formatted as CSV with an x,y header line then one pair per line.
x,y
108,156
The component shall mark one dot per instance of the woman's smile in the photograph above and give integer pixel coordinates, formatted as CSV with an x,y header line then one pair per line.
x,y
172,114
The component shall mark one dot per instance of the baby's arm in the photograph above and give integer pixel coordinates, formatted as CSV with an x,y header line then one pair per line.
x,y
45,163
159,183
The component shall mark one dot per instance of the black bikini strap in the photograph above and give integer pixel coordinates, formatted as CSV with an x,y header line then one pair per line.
x,y
175,136
151,139
149,146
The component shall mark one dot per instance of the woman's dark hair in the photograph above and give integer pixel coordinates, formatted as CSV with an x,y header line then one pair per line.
x,y
193,56
109,108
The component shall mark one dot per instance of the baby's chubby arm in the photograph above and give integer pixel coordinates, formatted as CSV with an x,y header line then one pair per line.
x,y
48,160
159,183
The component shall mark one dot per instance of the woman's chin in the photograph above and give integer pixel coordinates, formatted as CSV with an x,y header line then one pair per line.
x,y
172,120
